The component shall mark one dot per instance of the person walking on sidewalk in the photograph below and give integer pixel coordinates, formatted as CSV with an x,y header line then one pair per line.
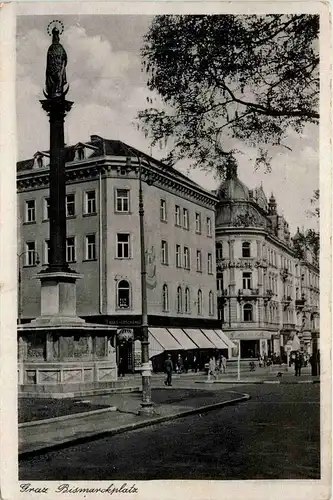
x,y
223,363
298,364
168,365
212,368
180,364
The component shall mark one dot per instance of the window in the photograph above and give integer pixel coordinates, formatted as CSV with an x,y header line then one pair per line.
x,y
199,261
38,161
90,202
210,263
46,251
70,249
211,303
30,211
248,312
209,226
163,211
165,298
219,283
80,153
247,278
70,205
123,294
177,215
46,209
187,300
122,200
186,222
199,302
91,247
123,247
164,252
246,249
219,251
179,299
186,258
197,223
178,256
30,256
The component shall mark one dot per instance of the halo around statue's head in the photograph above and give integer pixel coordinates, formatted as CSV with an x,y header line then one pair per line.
x,y
59,25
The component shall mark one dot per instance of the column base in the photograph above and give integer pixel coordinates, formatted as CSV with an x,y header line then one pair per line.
x,y
148,409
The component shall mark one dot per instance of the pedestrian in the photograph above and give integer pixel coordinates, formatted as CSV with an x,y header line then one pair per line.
x,y
260,361
180,364
195,364
224,363
265,360
212,368
298,364
121,368
186,363
168,366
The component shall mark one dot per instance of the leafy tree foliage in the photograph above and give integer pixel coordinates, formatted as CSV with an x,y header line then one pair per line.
x,y
224,77
309,239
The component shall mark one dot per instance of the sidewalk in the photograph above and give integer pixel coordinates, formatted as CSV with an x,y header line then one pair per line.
x,y
119,413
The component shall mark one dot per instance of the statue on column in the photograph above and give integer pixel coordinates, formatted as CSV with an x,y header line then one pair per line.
x,y
56,68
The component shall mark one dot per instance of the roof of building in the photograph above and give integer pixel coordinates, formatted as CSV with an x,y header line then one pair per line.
x,y
109,147
232,188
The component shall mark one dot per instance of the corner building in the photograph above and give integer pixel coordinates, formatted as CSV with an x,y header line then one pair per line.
x,y
103,244
266,294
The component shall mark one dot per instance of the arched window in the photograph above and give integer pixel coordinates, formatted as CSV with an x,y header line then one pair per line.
x,y
248,312
219,251
187,300
179,300
211,303
246,249
165,298
123,294
199,302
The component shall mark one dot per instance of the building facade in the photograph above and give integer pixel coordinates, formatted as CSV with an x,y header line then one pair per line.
x,y
266,293
103,241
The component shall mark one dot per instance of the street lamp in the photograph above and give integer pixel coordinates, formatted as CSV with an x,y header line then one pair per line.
x,y
19,291
147,406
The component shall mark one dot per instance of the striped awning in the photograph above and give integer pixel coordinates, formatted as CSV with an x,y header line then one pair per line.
x,y
225,339
182,338
199,338
215,339
165,339
155,347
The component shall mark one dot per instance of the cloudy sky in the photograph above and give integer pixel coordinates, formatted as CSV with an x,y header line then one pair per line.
x,y
108,88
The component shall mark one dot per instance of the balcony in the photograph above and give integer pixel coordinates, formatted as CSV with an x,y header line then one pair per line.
x,y
248,293
288,327
286,300
222,293
300,303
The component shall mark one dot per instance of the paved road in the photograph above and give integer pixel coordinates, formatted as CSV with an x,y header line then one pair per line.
x,y
275,435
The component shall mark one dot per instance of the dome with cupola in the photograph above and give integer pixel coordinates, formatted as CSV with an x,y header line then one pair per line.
x,y
232,188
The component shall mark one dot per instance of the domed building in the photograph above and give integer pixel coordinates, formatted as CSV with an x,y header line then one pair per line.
x,y
262,285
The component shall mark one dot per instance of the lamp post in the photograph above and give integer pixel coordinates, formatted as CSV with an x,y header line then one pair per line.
x,y
147,406
146,403
19,291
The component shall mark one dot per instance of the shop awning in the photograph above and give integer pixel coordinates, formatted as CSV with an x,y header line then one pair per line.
x,y
215,339
225,339
165,339
183,339
199,338
155,347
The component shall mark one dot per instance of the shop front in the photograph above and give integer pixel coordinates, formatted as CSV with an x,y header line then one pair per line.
x,y
193,345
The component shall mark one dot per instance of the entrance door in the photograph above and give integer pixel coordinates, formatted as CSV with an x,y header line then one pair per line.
x,y
250,348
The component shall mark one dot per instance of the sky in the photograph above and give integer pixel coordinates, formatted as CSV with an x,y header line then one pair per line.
x,y
108,88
